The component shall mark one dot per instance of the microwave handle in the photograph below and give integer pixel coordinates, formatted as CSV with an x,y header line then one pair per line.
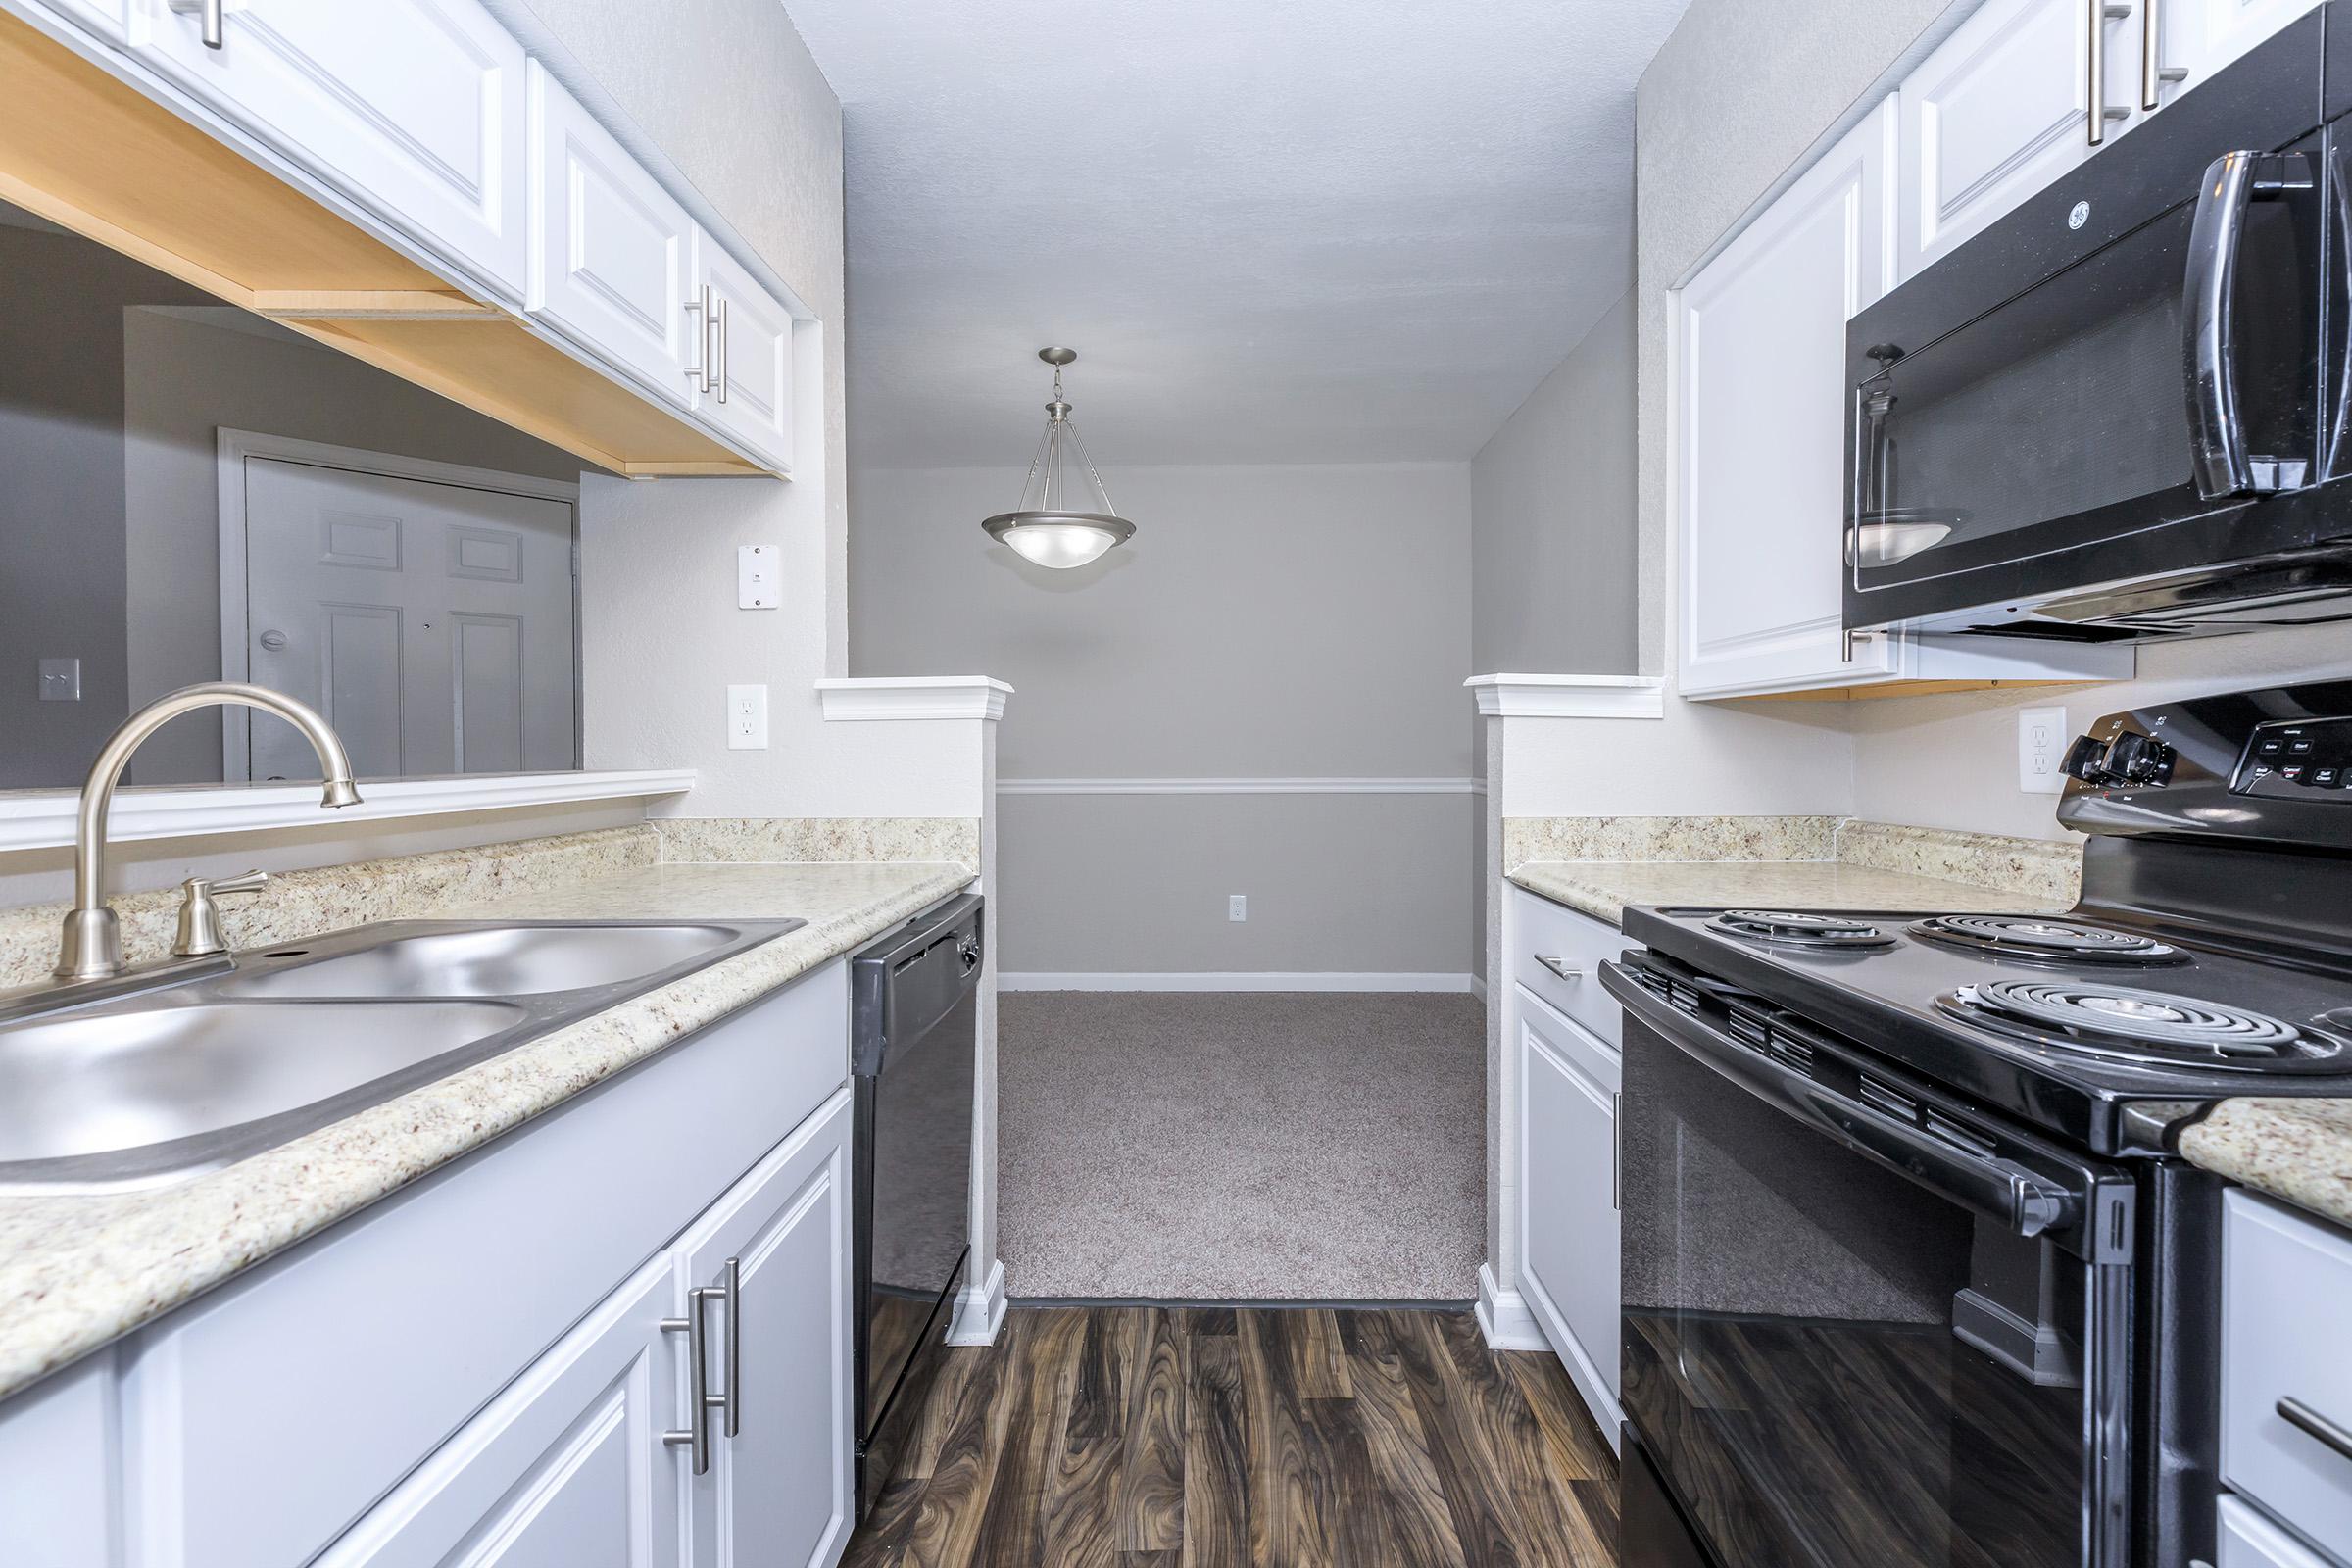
x,y
2217,425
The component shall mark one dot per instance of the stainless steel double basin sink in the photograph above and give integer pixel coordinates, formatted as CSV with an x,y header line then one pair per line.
x,y
200,1071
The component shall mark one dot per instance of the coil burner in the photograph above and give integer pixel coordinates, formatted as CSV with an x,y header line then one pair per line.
x,y
2125,1023
2044,941
1786,930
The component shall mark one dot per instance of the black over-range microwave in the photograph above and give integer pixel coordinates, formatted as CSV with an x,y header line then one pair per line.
x,y
2125,410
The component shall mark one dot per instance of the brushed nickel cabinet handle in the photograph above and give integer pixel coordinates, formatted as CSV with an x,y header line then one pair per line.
x,y
2304,1419
697,1435
2102,12
215,24
1560,966
720,353
1617,1149
2154,73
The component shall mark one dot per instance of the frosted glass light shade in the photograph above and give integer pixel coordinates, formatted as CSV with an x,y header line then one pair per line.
x,y
1058,539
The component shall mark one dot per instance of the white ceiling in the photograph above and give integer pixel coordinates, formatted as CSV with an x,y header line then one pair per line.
x,y
1305,230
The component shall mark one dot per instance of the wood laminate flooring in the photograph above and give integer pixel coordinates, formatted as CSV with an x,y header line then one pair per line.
x,y
1141,1436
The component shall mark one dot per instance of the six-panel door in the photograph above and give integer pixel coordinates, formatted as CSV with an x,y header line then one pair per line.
x,y
414,108
777,1491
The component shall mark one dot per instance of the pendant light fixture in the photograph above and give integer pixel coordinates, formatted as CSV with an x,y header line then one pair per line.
x,y
1065,517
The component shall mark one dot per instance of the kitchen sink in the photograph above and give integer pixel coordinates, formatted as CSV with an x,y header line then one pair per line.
x,y
167,1082
505,960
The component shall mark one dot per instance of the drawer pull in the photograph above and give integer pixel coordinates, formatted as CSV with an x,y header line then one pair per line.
x,y
2304,1419
697,1435
1560,966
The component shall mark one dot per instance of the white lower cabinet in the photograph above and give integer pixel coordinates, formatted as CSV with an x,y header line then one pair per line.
x,y
1569,1082
567,1467
488,1368
772,1261
2287,1384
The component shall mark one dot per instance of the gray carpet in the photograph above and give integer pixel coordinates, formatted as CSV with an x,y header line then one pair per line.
x,y
1241,1146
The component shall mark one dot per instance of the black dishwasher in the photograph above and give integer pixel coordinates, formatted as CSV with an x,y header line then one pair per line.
x,y
913,1035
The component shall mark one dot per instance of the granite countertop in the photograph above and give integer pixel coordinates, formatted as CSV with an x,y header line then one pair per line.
x,y
2296,1149
76,1271
1604,888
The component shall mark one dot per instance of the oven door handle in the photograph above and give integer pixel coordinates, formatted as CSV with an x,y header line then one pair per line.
x,y
2021,1200
2208,298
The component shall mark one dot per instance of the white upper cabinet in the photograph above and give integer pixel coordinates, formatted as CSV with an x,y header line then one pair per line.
x,y
612,254
1761,380
746,392
104,17
413,108
2194,39
2002,108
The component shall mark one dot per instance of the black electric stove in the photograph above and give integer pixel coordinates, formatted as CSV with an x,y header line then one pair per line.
x,y
1912,1272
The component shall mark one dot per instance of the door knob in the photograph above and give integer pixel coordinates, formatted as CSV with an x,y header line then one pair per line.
x,y
273,641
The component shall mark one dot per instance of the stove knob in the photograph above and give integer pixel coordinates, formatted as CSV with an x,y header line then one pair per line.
x,y
2137,760
2086,760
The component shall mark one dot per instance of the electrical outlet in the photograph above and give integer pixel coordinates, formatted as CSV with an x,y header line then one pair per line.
x,y
755,586
747,718
2041,744
1237,907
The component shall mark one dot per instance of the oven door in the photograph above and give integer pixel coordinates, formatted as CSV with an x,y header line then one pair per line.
x,y
1863,1328
2116,420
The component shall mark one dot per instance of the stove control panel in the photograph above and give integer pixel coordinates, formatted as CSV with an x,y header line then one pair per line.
x,y
2125,758
2298,759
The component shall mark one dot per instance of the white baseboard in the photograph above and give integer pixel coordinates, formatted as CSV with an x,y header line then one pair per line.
x,y
980,1309
1591,1386
1505,1317
1478,986
1234,980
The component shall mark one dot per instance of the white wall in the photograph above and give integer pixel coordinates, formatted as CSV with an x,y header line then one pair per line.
x,y
1551,506
1292,621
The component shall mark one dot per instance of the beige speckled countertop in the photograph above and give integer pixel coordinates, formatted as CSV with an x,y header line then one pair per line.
x,y
1604,888
2297,1149
78,1271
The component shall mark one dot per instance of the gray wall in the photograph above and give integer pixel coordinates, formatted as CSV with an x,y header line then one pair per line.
x,y
1551,509
1298,621
61,541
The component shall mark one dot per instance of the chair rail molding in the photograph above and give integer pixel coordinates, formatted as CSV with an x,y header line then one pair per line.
x,y
881,697
1240,786
1569,696
42,819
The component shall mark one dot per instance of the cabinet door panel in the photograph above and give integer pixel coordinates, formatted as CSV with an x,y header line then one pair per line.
x,y
2198,38
1997,112
414,108
1568,1201
565,1469
756,359
104,18
611,251
1761,367
777,1493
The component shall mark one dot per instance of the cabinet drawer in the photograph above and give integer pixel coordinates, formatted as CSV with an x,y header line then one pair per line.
x,y
2286,1282
260,1422
1552,939
2246,1539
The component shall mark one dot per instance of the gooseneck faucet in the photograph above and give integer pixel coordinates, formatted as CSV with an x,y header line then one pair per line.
x,y
92,946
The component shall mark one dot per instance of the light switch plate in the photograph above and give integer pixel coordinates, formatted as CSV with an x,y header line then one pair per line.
x,y
2041,739
61,681
747,718
1237,907
755,586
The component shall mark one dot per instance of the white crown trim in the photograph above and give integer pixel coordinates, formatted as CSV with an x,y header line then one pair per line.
x,y
39,819
877,698
1569,696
